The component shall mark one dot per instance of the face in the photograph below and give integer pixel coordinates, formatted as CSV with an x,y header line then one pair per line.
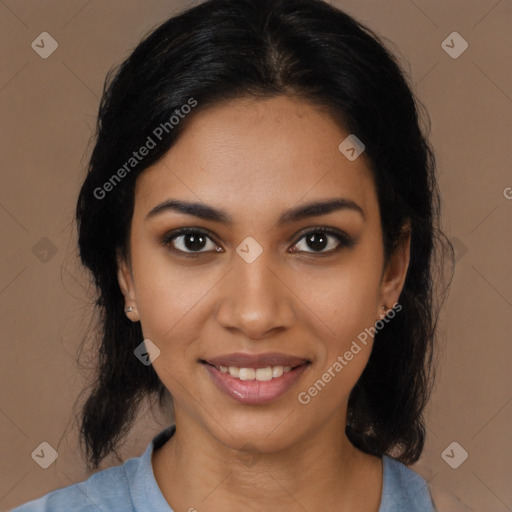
x,y
260,286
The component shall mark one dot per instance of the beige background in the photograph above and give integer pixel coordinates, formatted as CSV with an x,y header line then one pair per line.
x,y
48,108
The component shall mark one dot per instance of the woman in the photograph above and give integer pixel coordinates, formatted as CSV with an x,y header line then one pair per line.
x,y
260,216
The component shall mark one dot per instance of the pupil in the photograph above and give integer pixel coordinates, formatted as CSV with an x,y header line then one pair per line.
x,y
317,241
196,242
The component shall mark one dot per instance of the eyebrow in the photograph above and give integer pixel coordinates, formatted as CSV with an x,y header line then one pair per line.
x,y
205,212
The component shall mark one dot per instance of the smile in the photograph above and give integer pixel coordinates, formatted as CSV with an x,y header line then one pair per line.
x,y
261,374
257,384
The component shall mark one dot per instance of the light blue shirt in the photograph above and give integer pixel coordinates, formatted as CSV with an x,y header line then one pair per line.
x,y
132,487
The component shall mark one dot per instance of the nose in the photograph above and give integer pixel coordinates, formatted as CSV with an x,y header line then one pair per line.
x,y
256,300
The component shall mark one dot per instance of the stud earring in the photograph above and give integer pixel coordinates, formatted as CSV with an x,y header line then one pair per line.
x,y
128,309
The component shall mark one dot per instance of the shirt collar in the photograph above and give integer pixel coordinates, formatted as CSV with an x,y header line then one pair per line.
x,y
145,493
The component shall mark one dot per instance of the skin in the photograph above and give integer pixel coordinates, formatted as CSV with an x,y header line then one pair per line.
x,y
256,159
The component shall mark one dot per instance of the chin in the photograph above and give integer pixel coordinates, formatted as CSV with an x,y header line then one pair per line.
x,y
265,433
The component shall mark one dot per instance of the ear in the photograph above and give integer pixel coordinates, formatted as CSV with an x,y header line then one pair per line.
x,y
394,275
125,279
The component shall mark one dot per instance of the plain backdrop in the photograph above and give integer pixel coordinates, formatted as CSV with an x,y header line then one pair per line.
x,y
48,108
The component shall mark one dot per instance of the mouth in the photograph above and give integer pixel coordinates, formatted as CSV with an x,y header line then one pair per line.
x,y
262,374
255,379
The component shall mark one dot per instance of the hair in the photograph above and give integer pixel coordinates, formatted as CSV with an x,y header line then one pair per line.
x,y
220,50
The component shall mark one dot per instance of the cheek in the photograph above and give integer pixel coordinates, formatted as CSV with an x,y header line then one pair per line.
x,y
171,303
342,349
168,297
343,309
343,300
169,308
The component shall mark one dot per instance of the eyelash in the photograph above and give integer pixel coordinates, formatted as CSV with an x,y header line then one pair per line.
x,y
343,239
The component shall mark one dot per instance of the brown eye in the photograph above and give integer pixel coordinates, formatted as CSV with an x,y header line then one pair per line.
x,y
190,241
320,239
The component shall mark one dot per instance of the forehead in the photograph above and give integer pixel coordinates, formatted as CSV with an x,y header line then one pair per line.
x,y
257,155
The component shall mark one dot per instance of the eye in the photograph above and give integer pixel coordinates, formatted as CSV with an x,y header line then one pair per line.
x,y
190,241
196,241
320,238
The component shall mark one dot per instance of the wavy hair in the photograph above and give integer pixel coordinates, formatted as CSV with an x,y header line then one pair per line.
x,y
224,49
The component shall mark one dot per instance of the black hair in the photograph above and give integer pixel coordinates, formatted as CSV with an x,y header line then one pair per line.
x,y
225,49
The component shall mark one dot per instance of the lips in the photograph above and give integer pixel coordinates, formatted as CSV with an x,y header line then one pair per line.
x,y
242,360
255,379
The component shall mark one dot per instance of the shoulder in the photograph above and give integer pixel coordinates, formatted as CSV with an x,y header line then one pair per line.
x,y
105,490
127,487
404,490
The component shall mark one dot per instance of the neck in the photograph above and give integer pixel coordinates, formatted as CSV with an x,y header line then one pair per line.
x,y
196,471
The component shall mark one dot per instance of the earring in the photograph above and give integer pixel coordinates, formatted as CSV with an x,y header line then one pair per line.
x,y
128,309
385,307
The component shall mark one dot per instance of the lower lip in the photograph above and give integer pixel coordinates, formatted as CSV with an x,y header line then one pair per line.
x,y
253,392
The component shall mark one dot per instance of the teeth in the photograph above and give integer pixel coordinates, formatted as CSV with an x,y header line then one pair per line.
x,y
264,373
234,371
277,371
261,374
247,374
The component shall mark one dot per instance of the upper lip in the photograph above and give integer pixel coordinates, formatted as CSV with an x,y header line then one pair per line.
x,y
242,360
